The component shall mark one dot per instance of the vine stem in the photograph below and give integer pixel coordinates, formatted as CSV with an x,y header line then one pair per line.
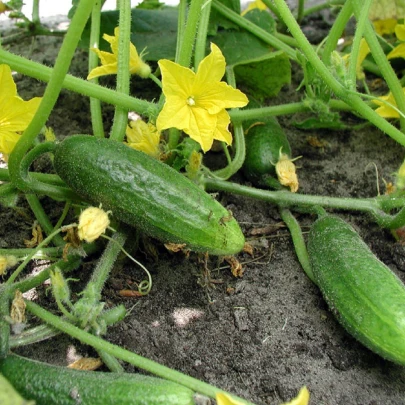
x,y
298,241
105,264
239,140
189,34
126,355
341,92
21,267
284,199
95,105
44,73
382,62
254,29
201,38
120,120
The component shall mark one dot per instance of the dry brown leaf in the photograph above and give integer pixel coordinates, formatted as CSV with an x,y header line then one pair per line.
x,y
236,267
86,363
175,247
17,312
37,236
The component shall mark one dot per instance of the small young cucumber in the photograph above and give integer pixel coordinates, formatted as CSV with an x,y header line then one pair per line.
x,y
264,140
147,194
366,297
53,385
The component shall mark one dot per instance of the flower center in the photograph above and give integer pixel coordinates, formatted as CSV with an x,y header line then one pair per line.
x,y
191,101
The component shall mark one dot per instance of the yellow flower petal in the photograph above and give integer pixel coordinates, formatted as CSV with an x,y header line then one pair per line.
x,y
254,4
103,71
219,95
385,110
397,52
177,81
211,68
221,132
106,58
8,87
196,102
15,113
8,140
400,31
301,399
201,127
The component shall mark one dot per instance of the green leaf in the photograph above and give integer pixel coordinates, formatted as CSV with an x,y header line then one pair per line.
x,y
385,9
240,46
217,20
265,76
155,30
262,19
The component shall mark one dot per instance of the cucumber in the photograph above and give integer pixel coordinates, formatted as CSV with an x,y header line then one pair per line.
x,y
264,140
53,385
147,194
366,297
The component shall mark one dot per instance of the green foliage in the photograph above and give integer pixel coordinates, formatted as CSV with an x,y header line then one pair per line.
x,y
262,19
265,76
153,29
218,21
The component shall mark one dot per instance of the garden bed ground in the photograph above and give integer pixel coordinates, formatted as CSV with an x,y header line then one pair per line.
x,y
266,334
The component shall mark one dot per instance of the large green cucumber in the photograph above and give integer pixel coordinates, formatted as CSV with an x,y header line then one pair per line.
x,y
366,297
146,193
53,385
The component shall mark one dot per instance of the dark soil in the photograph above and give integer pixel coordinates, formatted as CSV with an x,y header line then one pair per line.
x,y
268,333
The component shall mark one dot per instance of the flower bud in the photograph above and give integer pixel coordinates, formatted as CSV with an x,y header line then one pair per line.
x,y
60,286
400,177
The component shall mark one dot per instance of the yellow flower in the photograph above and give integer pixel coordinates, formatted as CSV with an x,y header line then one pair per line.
x,y
109,64
144,137
254,4
196,102
93,222
385,110
15,113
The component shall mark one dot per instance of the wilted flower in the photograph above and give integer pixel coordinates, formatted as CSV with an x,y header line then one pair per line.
x,y
93,222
